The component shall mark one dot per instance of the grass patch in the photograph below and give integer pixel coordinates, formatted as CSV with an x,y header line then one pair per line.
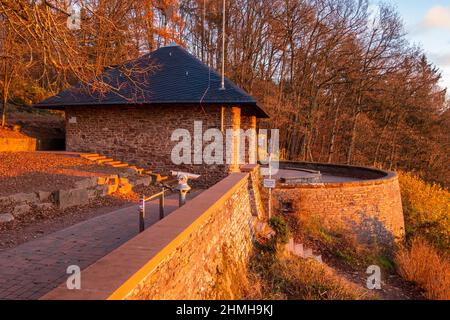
x,y
327,236
424,259
346,255
340,244
284,276
385,262
422,264
275,273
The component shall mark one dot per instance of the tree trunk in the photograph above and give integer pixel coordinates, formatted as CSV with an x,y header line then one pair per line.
x,y
5,93
293,145
393,147
333,134
301,147
356,114
380,141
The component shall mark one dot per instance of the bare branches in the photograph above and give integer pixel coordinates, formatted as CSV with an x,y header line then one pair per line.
x,y
110,33
333,71
326,68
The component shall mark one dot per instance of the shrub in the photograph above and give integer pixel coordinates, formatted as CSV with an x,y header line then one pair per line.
x,y
423,265
426,209
281,228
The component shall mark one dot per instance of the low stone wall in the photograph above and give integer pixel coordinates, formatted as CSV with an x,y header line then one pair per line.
x,y
371,209
254,190
17,144
21,204
197,252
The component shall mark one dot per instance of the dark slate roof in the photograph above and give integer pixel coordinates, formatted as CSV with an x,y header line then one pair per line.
x,y
169,75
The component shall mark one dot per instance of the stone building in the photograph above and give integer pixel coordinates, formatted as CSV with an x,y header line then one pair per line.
x,y
141,104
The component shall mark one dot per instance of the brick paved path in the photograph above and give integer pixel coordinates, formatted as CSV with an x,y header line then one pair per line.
x,y
32,269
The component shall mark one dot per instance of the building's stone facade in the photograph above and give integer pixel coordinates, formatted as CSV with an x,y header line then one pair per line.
x,y
141,135
249,149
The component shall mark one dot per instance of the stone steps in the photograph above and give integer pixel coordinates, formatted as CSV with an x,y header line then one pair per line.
x,y
104,160
100,159
121,165
96,158
88,155
139,171
79,194
112,163
299,250
159,178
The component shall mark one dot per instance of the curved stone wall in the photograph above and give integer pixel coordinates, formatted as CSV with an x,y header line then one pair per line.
x,y
370,208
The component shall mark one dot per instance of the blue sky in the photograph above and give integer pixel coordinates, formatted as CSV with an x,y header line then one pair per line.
x,y
427,23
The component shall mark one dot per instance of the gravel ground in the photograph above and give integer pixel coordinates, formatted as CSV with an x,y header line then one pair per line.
x,y
29,171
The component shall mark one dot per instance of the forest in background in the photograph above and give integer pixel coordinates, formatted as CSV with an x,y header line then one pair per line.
x,y
338,79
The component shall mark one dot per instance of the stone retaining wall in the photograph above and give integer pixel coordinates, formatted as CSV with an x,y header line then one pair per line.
x,y
83,191
17,144
371,209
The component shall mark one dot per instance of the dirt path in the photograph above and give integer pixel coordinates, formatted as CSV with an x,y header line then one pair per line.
x,y
393,287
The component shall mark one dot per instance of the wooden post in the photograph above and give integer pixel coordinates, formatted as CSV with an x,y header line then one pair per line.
x,y
142,214
161,205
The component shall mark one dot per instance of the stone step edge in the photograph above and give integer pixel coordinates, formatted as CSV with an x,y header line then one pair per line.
x,y
299,250
100,159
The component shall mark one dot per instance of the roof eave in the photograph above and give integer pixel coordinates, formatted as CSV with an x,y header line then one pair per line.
x,y
257,110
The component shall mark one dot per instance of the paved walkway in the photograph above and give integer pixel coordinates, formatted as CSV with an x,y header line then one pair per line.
x,y
32,269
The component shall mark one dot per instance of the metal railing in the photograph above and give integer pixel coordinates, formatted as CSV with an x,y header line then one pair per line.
x,y
182,187
143,200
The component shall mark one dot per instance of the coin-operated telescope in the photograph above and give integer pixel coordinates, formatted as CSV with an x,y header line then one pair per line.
x,y
183,187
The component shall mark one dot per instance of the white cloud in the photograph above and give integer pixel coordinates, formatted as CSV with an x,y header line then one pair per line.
x,y
437,17
442,59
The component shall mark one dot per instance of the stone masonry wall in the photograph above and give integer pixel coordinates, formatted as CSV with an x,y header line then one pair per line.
x,y
141,135
16,144
209,262
248,147
372,210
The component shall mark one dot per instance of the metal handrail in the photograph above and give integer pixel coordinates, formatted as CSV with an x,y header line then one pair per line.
x,y
142,202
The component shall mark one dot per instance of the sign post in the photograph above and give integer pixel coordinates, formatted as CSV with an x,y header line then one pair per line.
x,y
270,183
142,214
